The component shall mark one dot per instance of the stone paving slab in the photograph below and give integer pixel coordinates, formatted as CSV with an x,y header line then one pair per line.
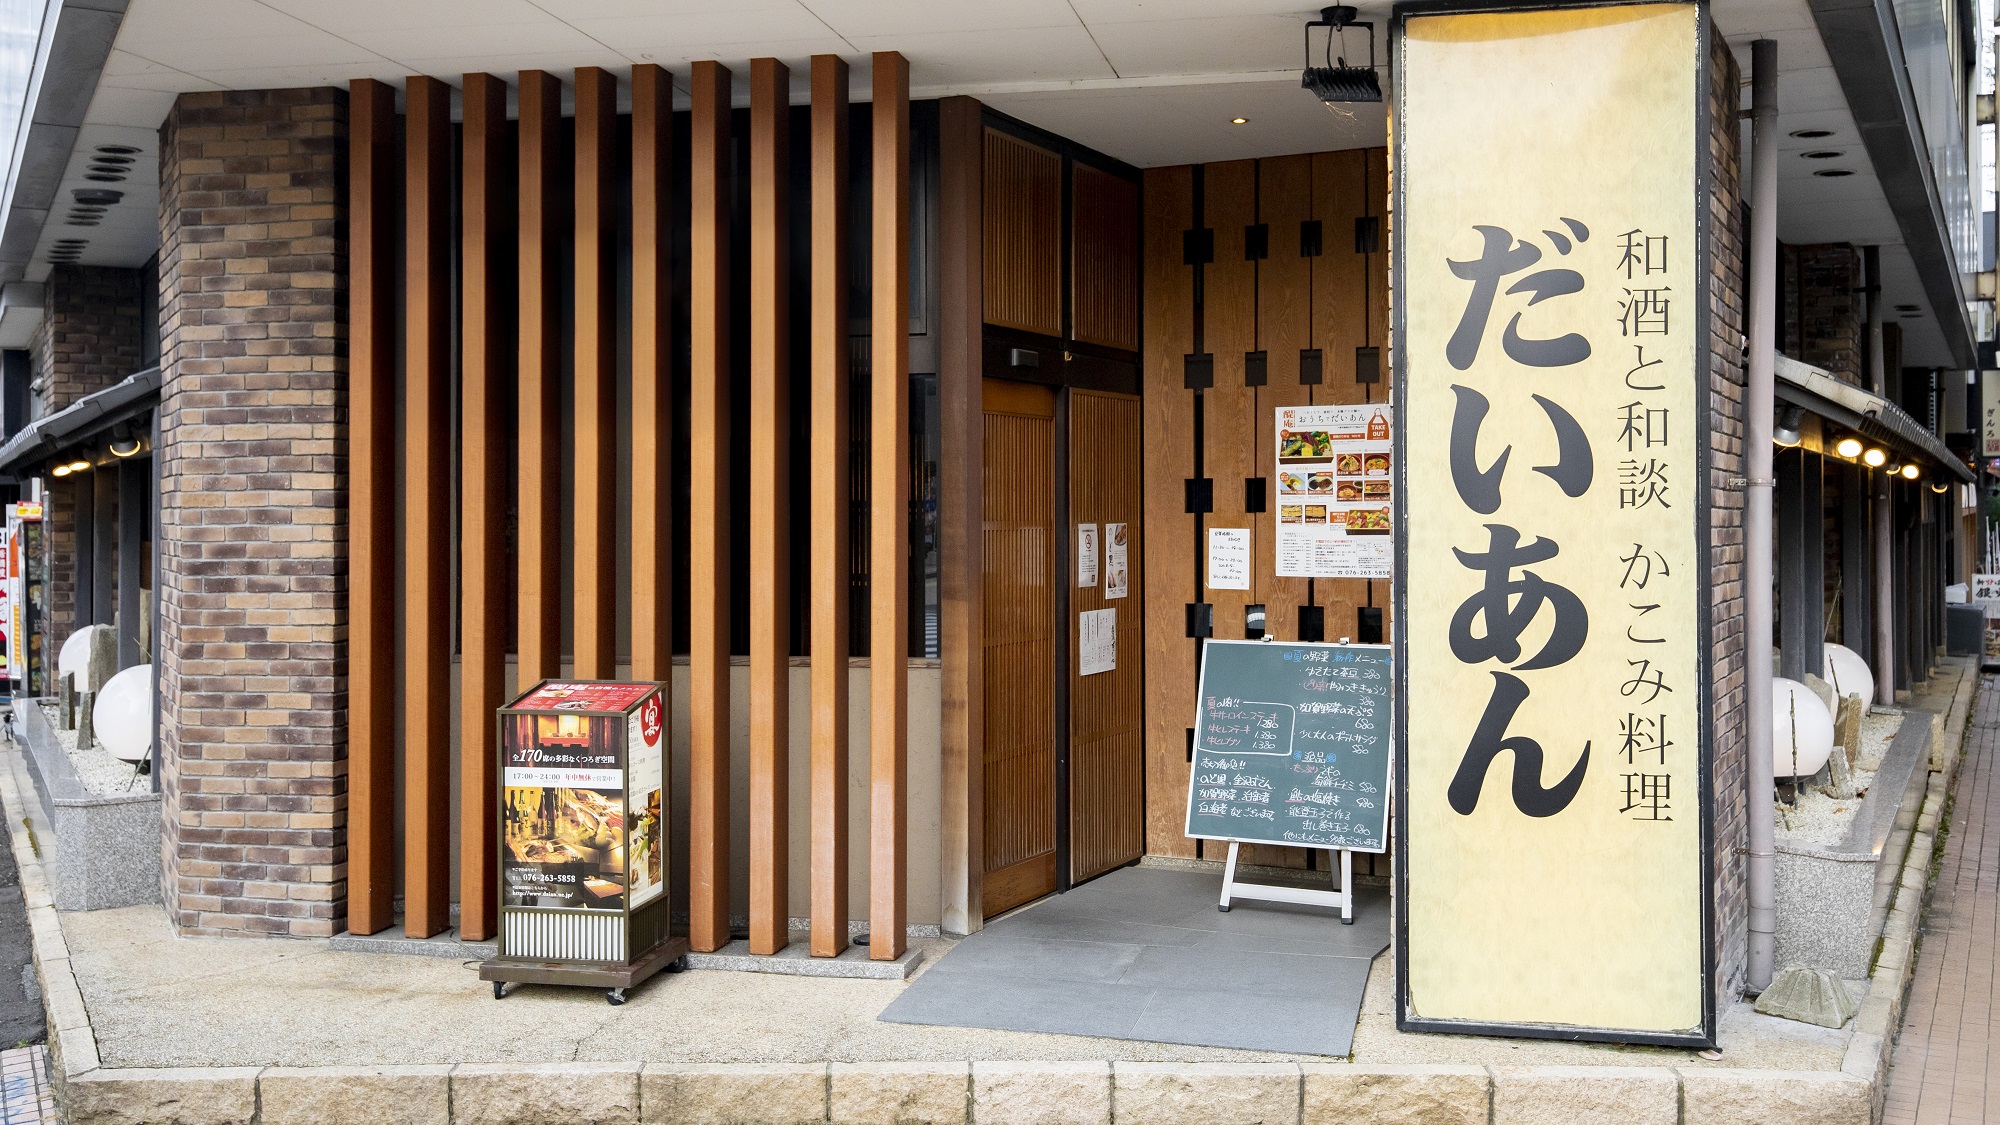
x,y
26,1096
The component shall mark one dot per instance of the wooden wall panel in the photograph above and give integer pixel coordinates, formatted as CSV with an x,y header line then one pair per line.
x,y
709,576
1170,555
961,639
595,507
537,467
653,439
427,477
1104,258
888,513
1340,317
373,190
770,492
486,340
829,634
1107,730
1023,243
1284,317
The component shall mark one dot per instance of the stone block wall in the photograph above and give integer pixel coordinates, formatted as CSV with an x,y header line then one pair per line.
x,y
253,510
1726,380
90,338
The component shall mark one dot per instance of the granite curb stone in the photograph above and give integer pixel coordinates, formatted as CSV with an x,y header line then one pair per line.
x,y
1435,1094
1585,1095
220,1095
733,1093
1041,1093
355,1095
900,1093
1144,1093
545,1094
1727,1097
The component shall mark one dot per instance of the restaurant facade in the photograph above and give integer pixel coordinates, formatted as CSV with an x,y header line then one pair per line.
x,y
916,411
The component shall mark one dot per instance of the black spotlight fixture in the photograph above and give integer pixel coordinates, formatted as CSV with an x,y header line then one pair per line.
x,y
1336,81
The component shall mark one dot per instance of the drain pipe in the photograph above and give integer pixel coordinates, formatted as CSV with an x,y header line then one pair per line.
x,y
1758,403
1884,593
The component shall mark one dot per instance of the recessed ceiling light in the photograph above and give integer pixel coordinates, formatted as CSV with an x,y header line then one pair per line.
x,y
1811,134
1239,121
1831,173
1823,154
129,150
97,196
1908,308
111,160
100,178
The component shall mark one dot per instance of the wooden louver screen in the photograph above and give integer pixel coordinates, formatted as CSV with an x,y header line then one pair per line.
x,y
1023,236
1104,258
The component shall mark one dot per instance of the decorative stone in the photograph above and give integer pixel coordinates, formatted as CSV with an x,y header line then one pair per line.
x,y
1338,1094
356,1095
1773,1097
899,1093
545,1094
1824,690
1585,1095
166,1096
733,1094
1041,1093
1204,1093
1812,996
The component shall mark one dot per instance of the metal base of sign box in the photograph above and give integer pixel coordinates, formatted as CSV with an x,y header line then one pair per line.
x,y
613,979
1342,898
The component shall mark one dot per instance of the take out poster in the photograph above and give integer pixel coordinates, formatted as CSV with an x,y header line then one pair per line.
x,y
1335,491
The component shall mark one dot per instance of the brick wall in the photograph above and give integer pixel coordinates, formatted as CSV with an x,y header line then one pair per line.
x,y
252,510
89,339
1726,377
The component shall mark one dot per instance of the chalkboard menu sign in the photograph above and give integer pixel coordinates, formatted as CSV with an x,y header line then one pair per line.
x,y
1291,745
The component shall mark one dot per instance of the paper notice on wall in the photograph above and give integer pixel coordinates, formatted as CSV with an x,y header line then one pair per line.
x,y
1086,554
1117,561
1097,641
1334,492
1229,558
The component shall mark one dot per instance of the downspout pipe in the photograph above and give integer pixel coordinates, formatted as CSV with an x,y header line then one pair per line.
x,y
1758,404
1884,593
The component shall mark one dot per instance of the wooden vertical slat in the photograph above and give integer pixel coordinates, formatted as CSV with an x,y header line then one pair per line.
x,y
427,472
1168,327
371,596
652,378
770,479
961,472
708,525
595,509
1284,322
539,414
889,513
1023,242
485,342
829,632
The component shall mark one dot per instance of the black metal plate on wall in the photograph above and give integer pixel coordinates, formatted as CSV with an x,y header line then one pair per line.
x,y
1200,496
1256,368
1198,371
1256,242
1200,619
1368,624
1254,491
1312,364
1368,364
1367,235
1312,622
1198,246
1311,238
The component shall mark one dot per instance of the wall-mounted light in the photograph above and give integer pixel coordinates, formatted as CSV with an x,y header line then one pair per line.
x,y
1911,472
1785,427
1849,447
1875,458
1940,487
126,447
60,471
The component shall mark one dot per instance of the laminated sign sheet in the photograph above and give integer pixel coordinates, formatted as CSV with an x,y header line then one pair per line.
x,y
1291,745
1335,492
1552,264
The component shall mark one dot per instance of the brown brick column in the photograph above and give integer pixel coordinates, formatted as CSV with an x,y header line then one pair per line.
x,y
253,510
89,339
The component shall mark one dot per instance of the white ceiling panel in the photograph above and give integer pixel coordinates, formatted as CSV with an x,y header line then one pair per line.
x,y
1241,43
415,45
758,21
874,18
970,57
363,17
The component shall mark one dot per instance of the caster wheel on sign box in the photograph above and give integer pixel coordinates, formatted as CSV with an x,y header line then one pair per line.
x,y
677,965
499,989
614,996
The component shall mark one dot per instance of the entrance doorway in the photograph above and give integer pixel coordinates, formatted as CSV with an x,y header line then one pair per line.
x,y
1063,778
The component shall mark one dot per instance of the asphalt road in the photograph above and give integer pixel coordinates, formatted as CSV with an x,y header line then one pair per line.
x,y
20,1004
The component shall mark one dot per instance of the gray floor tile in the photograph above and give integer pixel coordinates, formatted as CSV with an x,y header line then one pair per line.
x,y
1059,1007
1030,957
1223,1019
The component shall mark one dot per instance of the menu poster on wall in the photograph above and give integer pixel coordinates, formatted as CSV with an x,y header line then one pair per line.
x,y
1086,554
1229,558
1334,502
1096,641
1117,561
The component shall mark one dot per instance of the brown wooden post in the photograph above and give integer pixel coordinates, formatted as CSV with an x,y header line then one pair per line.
x,y
961,628
889,515
596,434
371,753
427,471
708,523
539,414
770,478
830,640
652,379
483,453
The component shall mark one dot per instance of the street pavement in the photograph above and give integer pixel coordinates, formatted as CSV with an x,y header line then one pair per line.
x,y
20,1000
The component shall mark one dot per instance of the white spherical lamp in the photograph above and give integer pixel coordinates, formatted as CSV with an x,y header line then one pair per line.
x,y
1802,730
1849,674
123,716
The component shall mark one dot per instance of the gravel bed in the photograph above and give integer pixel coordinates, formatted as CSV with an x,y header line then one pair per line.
x,y
1820,821
102,775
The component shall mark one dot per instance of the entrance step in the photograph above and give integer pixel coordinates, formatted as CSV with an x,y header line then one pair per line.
x,y
797,960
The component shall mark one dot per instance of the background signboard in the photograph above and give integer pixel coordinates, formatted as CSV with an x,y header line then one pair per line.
x,y
1291,745
1552,616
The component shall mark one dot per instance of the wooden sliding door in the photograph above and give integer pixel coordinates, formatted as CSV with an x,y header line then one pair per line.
x,y
1022,644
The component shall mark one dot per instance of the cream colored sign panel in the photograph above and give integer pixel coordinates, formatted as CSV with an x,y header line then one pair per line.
x,y
1552,278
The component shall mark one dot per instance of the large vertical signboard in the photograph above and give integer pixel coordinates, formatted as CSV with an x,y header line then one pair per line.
x,y
1550,298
